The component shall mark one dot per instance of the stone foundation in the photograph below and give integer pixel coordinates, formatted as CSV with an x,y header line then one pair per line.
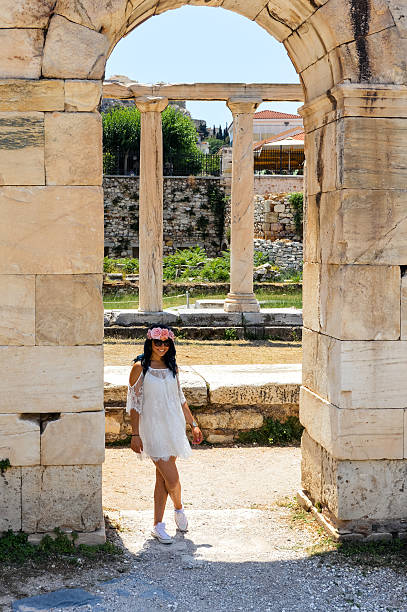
x,y
343,495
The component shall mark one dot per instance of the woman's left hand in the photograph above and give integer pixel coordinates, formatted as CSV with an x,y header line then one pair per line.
x,y
198,437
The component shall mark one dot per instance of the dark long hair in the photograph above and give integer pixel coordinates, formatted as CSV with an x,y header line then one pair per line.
x,y
169,357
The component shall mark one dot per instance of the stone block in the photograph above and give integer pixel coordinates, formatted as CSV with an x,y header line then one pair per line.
x,y
41,95
56,230
405,434
357,226
73,51
21,53
106,16
373,143
82,95
323,147
311,295
68,497
350,488
25,13
278,208
214,420
69,309
352,434
20,439
17,304
112,423
251,385
404,306
245,419
219,438
73,148
353,374
22,149
353,302
56,379
10,499
311,467
74,438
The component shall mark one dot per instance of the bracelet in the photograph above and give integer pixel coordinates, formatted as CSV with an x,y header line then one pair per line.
x,y
136,435
194,424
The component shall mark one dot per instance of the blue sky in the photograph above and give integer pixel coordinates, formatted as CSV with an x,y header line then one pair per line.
x,y
203,44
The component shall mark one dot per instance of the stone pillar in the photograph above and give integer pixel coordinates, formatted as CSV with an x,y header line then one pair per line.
x,y
241,297
353,398
151,204
51,302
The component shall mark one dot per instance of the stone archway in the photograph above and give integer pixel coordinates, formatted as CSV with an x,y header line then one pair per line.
x,y
350,56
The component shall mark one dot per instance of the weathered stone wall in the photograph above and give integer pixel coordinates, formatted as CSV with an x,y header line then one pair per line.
x,y
285,254
274,217
271,183
190,218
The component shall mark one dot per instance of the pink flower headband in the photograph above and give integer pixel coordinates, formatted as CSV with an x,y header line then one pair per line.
x,y
158,333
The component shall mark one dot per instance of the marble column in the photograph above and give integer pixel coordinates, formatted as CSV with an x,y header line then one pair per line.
x,y
241,297
151,203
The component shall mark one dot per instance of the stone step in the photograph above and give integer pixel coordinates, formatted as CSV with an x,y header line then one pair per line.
x,y
287,333
205,317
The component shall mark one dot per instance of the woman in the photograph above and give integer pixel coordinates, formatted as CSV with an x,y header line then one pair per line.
x,y
158,412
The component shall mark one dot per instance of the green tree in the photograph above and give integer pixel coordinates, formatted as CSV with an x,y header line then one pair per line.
x,y
121,132
214,145
179,134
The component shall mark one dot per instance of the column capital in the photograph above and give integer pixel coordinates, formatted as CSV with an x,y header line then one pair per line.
x,y
243,105
151,104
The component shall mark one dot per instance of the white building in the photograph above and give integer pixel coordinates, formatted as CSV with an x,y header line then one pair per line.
x,y
268,123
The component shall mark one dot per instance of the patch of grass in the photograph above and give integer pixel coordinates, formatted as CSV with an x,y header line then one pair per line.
x,y
268,300
4,465
16,549
275,433
120,443
375,554
230,334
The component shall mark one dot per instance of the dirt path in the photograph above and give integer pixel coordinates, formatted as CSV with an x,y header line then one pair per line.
x,y
194,352
246,477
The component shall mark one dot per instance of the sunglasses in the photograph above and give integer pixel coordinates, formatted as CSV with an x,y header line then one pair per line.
x,y
162,342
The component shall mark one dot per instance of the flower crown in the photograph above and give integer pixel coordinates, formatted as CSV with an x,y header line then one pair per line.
x,y
158,333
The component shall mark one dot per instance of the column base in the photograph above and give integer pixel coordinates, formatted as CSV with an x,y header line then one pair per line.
x,y
241,302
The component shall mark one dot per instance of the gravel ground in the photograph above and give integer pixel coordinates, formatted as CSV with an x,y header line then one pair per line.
x,y
243,550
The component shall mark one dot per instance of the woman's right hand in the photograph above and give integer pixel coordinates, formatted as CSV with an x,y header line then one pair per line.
x,y
136,444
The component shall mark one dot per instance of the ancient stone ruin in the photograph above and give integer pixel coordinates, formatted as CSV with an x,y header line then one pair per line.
x,y
350,55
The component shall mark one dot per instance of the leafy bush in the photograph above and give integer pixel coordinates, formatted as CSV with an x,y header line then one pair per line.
x,y
260,258
275,432
297,202
109,265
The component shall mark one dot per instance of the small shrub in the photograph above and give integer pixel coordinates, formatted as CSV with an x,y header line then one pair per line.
x,y
4,465
230,334
297,202
109,265
260,258
275,432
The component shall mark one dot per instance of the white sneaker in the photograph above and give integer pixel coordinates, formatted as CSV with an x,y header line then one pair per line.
x,y
181,520
160,534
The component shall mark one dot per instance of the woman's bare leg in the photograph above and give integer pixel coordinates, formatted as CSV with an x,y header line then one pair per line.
x,y
170,474
160,496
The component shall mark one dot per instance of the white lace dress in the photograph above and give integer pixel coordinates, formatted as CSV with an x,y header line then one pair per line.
x,y
158,398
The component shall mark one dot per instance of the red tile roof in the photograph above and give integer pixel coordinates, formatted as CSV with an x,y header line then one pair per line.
x,y
270,114
291,133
